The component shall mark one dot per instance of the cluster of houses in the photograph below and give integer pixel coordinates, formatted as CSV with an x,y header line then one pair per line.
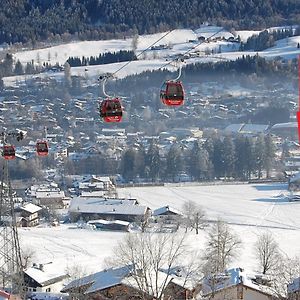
x,y
75,121
176,284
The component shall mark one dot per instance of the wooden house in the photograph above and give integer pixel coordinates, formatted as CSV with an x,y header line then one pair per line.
x,y
30,214
44,278
108,209
118,283
236,284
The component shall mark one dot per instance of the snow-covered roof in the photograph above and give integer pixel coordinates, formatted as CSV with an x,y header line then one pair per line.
x,y
165,209
31,208
254,128
115,276
91,201
101,178
106,222
294,286
234,277
50,194
100,280
97,194
106,206
99,185
45,274
285,125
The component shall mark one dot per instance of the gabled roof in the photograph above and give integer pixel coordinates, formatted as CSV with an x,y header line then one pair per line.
x,y
100,280
106,206
115,276
164,210
233,277
45,275
31,208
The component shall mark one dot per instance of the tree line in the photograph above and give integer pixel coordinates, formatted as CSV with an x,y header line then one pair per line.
x,y
232,158
29,21
101,59
266,39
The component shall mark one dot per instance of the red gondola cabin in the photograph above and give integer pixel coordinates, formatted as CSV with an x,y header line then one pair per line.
x,y
9,152
111,110
42,148
172,93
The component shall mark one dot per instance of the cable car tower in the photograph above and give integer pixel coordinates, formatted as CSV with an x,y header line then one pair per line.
x,y
11,276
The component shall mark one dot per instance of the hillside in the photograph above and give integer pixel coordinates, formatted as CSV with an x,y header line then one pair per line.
x,y
29,21
180,39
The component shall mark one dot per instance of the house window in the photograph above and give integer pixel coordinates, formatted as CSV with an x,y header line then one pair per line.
x,y
34,289
48,290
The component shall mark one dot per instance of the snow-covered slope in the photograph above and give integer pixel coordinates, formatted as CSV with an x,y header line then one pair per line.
x,y
180,41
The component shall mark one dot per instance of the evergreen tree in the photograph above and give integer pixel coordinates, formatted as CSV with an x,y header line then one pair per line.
x,y
199,163
128,165
218,158
228,156
259,155
174,162
241,157
269,154
140,161
8,65
18,68
153,161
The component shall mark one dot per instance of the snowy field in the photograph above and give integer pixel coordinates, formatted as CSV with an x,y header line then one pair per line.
x,y
249,209
180,40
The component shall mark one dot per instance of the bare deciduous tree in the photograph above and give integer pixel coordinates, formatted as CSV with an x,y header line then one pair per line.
x,y
267,252
27,257
134,42
149,254
285,272
194,216
222,247
77,272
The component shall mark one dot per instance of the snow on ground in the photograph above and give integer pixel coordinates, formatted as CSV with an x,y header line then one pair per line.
x,y
245,34
250,209
286,48
59,54
213,31
177,36
182,41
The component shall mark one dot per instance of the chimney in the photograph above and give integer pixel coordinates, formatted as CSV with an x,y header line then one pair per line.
x,y
41,267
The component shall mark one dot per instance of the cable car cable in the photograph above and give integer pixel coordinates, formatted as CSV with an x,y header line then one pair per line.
x,y
127,63
188,51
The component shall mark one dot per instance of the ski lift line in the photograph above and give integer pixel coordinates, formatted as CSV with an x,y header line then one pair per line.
x,y
128,62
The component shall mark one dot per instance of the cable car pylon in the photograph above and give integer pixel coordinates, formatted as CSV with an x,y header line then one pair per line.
x,y
11,270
